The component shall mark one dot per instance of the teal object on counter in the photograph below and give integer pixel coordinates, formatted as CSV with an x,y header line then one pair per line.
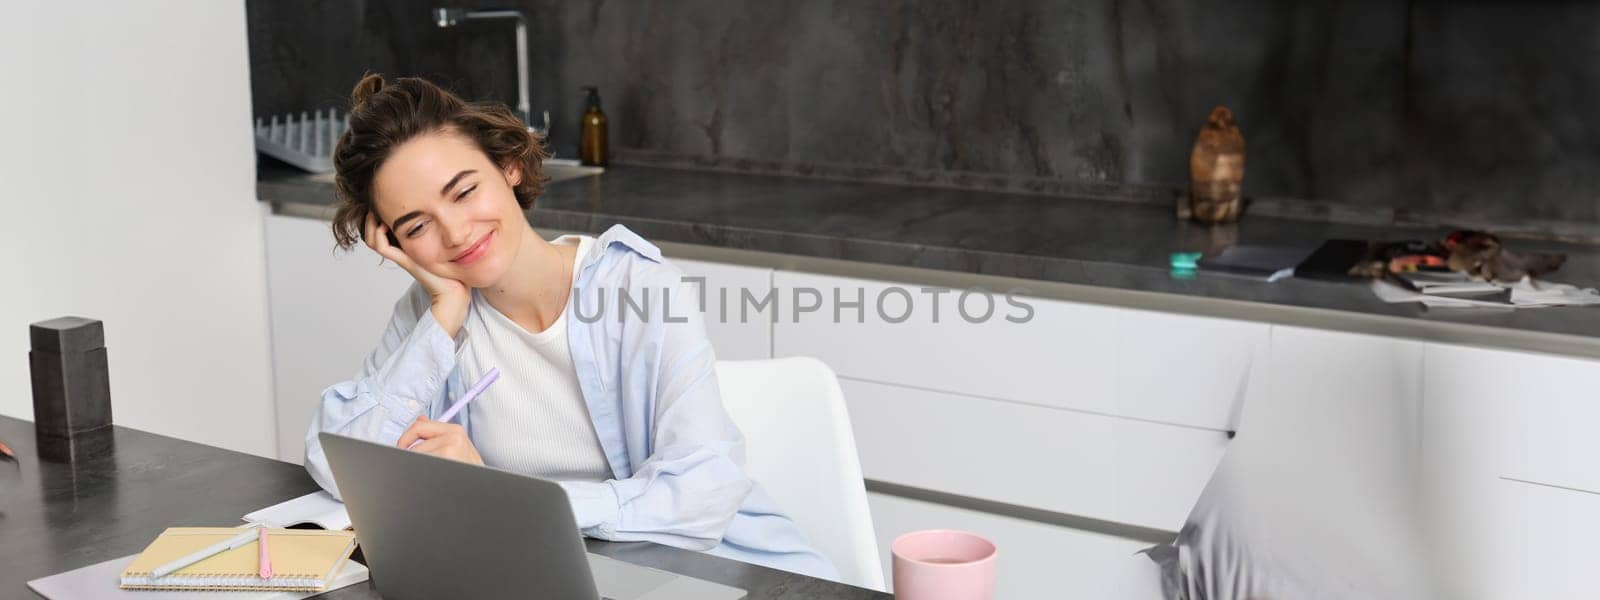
x,y
1185,260
1184,264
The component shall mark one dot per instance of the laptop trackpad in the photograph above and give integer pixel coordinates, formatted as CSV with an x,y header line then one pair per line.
x,y
624,581
618,580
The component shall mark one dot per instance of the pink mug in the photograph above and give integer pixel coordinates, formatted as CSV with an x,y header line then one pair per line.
x,y
942,564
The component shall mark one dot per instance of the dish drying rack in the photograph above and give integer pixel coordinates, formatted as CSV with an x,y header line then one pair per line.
x,y
305,140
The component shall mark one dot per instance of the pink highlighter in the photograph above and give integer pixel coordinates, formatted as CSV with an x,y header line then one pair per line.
x,y
266,557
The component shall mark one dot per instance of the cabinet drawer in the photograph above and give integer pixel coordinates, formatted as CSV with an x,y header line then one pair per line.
x,y
1551,545
1520,540
1197,371
1545,409
1063,357
1162,367
1090,465
1553,415
1035,560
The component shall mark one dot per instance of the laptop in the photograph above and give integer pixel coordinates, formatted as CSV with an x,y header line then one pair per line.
x,y
431,527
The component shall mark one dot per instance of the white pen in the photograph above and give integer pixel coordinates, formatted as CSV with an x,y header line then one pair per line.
x,y
207,552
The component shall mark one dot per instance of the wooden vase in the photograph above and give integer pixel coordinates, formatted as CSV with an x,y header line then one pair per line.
x,y
1216,170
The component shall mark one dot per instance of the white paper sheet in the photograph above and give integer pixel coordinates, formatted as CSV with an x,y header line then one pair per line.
x,y
319,508
1524,294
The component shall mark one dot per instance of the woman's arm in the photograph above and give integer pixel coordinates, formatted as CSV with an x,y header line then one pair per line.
x,y
691,486
398,381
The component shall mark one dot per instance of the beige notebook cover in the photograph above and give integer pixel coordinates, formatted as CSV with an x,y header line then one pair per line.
x,y
302,559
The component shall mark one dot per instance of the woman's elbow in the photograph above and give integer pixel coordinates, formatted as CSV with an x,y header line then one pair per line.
x,y
727,500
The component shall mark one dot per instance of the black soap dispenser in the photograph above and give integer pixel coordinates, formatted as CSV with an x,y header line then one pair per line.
x,y
592,141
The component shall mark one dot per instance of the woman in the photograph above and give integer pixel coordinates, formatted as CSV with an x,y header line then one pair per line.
x,y
618,403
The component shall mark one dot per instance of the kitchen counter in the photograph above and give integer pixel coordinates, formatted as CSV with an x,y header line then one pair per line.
x,y
1088,250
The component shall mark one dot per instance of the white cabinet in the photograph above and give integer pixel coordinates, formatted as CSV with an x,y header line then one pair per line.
x,y
1188,370
1552,414
1063,357
1084,464
1035,560
328,309
1161,367
1355,396
733,337
1341,410
1045,458
1494,414
1552,551
1160,470
1510,454
1083,409
1463,448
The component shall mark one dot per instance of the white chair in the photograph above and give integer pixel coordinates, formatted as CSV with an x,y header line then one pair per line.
x,y
800,448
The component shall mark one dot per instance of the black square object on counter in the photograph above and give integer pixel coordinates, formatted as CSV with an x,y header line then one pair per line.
x,y
1333,259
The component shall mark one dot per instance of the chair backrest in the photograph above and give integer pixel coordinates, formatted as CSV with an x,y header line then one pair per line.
x,y
1319,491
799,446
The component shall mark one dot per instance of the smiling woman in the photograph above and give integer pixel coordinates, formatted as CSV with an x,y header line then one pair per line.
x,y
384,117
625,413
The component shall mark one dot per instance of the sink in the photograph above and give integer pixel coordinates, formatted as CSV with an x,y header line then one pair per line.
x,y
557,169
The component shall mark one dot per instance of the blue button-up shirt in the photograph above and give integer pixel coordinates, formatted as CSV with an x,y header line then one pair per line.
x,y
649,382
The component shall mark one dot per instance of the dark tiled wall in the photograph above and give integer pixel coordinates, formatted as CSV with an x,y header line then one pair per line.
x,y
1485,109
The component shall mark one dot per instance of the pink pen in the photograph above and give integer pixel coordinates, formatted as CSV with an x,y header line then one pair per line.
x,y
266,557
477,388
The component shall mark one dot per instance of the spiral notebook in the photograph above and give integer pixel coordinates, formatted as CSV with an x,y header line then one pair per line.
x,y
99,582
302,559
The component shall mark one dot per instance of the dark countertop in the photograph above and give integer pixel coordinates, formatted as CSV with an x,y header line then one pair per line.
x,y
56,516
1051,240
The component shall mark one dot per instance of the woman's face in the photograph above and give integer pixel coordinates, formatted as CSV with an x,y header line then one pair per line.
x,y
451,208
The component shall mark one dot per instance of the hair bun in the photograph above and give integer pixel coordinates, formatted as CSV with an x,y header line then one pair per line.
x,y
369,86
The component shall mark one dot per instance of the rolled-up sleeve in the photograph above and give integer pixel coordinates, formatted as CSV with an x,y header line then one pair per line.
x,y
399,380
691,486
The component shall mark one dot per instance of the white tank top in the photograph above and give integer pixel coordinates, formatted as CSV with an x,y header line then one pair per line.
x,y
533,420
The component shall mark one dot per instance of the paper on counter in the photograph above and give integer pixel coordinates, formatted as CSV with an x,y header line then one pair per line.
x,y
1530,293
1394,294
1524,294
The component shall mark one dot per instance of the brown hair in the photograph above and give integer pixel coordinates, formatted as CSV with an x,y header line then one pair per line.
x,y
384,116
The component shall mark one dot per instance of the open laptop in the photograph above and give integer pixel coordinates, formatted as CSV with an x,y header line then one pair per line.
x,y
436,528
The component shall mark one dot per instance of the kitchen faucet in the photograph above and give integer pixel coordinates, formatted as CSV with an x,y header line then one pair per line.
x,y
450,17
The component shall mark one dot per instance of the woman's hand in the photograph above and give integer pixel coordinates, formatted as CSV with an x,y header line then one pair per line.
x,y
448,440
450,297
6,450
